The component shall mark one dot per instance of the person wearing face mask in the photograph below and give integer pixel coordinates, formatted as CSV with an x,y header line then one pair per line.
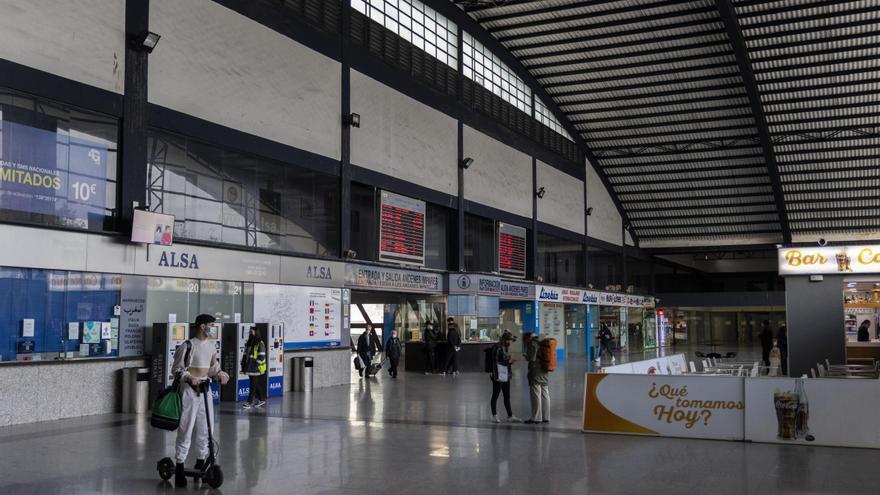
x,y
502,372
194,362
253,363
393,350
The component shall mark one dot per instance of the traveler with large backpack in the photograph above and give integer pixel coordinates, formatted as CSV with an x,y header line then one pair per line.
x,y
541,356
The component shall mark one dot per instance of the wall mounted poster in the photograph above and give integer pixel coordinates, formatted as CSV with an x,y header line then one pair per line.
x,y
552,321
311,315
48,172
673,406
91,332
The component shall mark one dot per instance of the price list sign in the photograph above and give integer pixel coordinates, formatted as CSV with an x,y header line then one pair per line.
x,y
511,250
402,230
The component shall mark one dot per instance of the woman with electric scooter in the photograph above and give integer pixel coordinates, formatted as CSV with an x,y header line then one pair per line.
x,y
196,364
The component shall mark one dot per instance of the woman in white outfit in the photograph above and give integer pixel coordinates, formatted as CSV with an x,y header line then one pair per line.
x,y
194,362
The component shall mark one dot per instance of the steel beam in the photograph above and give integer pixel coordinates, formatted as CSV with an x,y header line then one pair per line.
x,y
740,51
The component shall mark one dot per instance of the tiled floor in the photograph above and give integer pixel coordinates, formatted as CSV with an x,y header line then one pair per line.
x,y
419,434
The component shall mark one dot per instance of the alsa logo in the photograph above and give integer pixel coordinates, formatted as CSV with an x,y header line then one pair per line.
x,y
179,260
244,391
274,386
319,272
551,294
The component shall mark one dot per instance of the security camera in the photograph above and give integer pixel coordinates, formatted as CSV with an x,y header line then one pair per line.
x,y
823,242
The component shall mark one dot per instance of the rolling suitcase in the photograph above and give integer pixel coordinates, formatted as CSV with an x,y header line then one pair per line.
x,y
374,368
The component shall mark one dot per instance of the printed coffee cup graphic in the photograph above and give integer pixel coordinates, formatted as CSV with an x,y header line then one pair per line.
x,y
793,413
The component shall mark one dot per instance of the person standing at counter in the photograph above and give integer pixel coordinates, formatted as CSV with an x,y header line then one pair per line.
x,y
432,337
501,374
766,337
864,334
393,350
453,337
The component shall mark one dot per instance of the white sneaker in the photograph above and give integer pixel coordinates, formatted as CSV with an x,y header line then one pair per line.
x,y
246,405
514,419
612,359
495,418
261,403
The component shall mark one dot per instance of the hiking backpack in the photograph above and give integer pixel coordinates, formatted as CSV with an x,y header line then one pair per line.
x,y
547,354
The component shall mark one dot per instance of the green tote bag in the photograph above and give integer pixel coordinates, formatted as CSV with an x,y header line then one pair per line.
x,y
167,408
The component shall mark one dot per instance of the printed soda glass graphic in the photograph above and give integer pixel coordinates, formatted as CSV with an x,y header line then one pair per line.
x,y
844,263
793,413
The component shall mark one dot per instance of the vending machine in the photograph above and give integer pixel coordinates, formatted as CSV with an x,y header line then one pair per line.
x,y
275,356
167,337
235,337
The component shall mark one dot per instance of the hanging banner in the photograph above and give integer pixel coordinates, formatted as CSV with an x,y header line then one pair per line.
x,y
669,406
829,260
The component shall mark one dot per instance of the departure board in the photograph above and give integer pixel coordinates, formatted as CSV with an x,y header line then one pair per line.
x,y
402,230
511,250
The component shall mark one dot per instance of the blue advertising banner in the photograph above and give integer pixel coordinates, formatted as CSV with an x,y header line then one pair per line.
x,y
45,171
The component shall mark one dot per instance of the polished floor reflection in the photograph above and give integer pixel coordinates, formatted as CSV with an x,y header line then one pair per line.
x,y
418,435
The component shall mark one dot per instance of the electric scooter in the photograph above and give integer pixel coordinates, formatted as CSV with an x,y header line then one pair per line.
x,y
210,471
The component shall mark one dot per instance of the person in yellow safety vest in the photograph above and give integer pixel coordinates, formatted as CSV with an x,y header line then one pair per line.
x,y
253,363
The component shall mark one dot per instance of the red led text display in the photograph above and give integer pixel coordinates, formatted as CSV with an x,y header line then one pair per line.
x,y
402,229
511,250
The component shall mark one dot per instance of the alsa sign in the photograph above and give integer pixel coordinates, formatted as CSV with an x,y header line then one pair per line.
x,y
829,260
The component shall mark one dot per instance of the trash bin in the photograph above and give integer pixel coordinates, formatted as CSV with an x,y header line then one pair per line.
x,y
135,390
295,374
303,378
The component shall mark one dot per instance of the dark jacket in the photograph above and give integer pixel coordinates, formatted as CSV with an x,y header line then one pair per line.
x,y
432,336
393,348
863,335
766,336
250,364
453,336
605,335
500,356
366,345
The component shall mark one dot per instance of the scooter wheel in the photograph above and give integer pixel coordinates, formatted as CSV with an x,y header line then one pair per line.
x,y
214,476
165,468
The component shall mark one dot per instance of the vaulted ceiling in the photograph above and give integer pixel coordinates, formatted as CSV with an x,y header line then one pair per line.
x,y
715,121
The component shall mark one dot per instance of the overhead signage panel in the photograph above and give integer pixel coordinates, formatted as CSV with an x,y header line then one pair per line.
x,y
401,229
511,250
829,260
392,279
